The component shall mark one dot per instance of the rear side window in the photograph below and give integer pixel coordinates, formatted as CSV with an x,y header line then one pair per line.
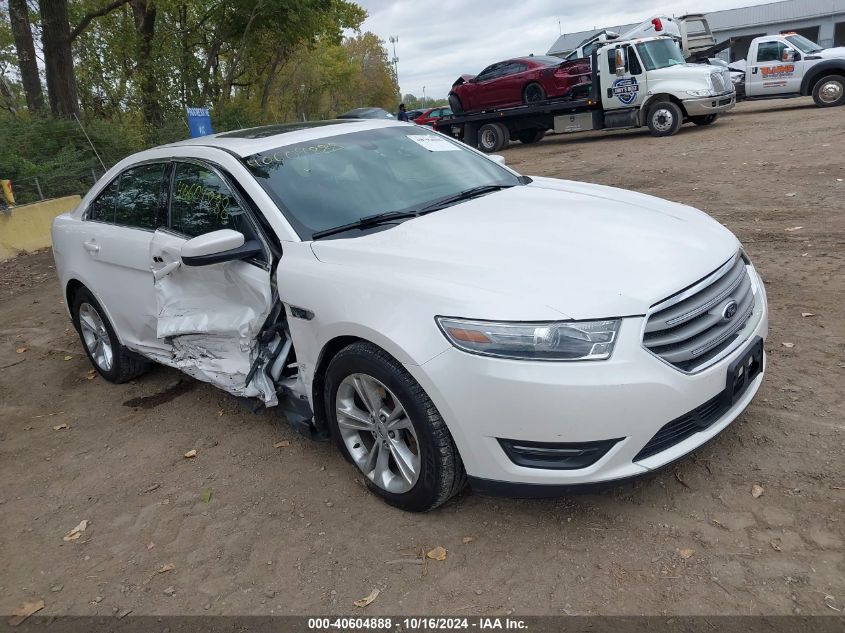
x,y
102,209
139,196
201,202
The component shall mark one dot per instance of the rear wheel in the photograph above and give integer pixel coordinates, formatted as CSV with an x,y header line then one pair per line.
x,y
492,137
664,118
829,91
533,93
708,119
112,360
530,136
455,104
385,424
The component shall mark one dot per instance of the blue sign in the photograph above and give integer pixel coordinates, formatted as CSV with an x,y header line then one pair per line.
x,y
626,89
199,122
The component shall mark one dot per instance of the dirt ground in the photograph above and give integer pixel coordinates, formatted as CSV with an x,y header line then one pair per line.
x,y
291,529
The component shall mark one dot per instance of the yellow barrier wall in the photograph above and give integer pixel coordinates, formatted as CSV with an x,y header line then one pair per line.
x,y
27,227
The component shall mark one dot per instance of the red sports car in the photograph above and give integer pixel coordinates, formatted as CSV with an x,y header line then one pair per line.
x,y
429,116
520,81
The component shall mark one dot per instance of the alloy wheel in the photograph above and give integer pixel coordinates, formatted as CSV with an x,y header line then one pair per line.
x,y
377,433
96,337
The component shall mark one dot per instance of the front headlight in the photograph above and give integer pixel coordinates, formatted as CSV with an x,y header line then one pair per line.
x,y
700,93
561,340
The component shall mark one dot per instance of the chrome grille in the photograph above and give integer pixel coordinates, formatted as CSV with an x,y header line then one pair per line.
x,y
694,327
721,81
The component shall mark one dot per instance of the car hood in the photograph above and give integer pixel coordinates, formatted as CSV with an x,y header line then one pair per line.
x,y
832,53
586,251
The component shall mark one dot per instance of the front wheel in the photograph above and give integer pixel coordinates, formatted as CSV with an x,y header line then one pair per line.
x,y
829,91
385,424
708,119
455,104
664,118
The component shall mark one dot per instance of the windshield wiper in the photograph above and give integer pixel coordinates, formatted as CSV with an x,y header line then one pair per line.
x,y
467,194
366,222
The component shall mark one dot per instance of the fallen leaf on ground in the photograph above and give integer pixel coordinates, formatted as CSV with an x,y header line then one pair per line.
x,y
791,194
686,553
191,453
150,546
788,345
68,357
76,532
92,373
757,491
59,427
24,611
281,444
467,539
792,229
151,488
807,314
21,350
165,568
438,553
363,602
775,546
206,495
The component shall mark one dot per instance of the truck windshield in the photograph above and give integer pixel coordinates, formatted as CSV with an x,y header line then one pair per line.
x,y
335,180
803,44
660,54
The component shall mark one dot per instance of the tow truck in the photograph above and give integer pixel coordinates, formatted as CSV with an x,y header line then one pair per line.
x,y
635,82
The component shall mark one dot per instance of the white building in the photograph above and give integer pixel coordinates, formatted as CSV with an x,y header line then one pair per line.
x,y
822,21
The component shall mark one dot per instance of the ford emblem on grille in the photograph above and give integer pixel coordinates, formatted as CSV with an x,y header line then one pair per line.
x,y
729,311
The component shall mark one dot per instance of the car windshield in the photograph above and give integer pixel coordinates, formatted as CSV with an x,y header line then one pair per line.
x,y
660,54
338,180
803,44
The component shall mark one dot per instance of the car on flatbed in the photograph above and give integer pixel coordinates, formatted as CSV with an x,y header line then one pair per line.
x,y
440,317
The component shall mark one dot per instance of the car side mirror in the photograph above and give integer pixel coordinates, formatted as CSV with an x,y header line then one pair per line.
x,y
621,62
216,247
497,158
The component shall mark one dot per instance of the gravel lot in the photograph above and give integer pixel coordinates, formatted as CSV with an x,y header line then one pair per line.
x,y
291,529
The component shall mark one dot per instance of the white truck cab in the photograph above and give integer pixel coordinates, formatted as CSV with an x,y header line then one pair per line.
x,y
790,65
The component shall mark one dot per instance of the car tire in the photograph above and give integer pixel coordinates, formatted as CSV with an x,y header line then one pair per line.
x,y
707,119
829,91
416,442
664,118
533,93
455,104
113,361
493,137
530,136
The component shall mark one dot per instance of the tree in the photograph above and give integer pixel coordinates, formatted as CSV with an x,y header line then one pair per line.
x,y
27,62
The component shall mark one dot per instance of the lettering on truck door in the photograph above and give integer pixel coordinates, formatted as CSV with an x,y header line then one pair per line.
x,y
628,90
777,70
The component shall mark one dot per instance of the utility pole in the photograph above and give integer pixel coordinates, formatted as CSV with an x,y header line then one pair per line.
x,y
393,40
423,96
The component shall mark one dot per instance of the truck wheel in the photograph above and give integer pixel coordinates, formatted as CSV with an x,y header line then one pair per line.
x,y
530,136
664,118
492,137
385,424
533,93
829,91
708,119
455,104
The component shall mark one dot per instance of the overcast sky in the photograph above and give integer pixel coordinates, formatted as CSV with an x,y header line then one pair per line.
x,y
440,40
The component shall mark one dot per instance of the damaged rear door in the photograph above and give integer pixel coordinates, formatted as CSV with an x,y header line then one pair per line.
x,y
211,314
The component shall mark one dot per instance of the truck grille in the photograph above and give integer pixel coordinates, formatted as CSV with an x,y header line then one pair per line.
x,y
721,81
694,326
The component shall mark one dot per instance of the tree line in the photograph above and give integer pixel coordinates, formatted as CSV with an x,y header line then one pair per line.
x,y
129,68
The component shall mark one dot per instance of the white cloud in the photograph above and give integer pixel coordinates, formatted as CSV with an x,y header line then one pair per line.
x,y
442,39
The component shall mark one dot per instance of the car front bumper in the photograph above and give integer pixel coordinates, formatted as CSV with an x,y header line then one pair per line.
x,y
628,398
710,105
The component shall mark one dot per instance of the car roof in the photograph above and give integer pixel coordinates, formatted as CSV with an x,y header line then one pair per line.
x,y
259,139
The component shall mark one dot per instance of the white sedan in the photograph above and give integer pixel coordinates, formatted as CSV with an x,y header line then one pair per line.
x,y
442,318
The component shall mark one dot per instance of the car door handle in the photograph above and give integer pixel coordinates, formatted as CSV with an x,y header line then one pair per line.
x,y
91,246
164,271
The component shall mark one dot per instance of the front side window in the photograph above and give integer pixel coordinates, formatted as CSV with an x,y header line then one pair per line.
x,y
660,53
139,196
771,52
201,202
336,180
102,208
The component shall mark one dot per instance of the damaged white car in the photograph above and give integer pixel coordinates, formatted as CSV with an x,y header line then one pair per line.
x,y
441,317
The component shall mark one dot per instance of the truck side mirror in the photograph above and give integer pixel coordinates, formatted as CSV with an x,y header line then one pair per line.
x,y
621,62
790,55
